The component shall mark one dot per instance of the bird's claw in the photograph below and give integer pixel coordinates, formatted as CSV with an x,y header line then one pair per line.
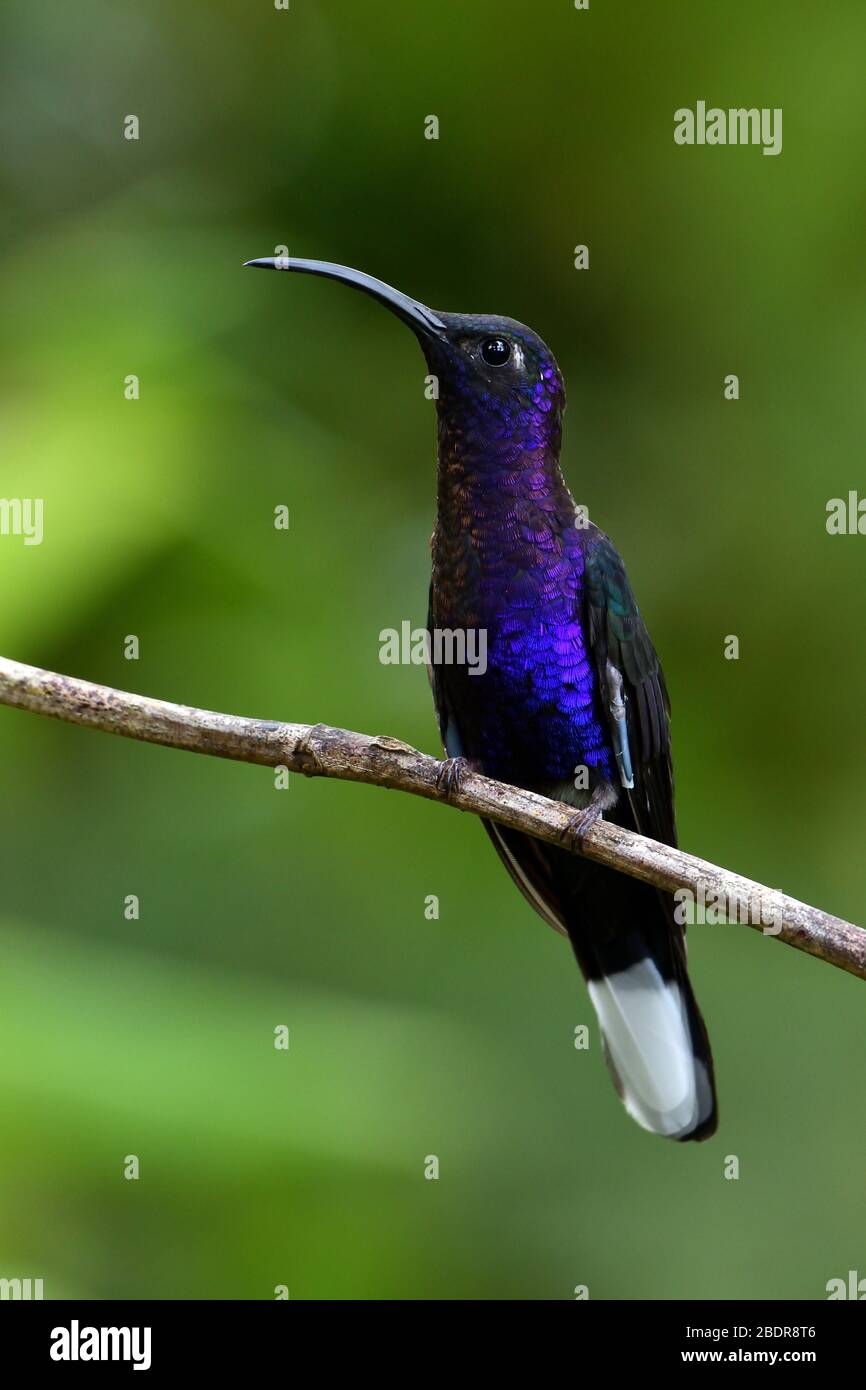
x,y
578,826
450,773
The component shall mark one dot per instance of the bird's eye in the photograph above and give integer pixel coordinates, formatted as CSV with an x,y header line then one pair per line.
x,y
495,351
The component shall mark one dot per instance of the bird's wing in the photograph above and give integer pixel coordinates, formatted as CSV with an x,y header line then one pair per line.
x,y
650,1020
629,672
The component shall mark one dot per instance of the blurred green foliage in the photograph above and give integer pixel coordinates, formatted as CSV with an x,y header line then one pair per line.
x,y
306,907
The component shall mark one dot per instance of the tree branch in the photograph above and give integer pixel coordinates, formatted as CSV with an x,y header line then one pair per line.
x,y
321,751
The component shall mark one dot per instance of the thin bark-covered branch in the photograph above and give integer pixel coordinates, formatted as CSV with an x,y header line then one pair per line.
x,y
322,751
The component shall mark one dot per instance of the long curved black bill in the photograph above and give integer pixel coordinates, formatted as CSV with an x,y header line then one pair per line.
x,y
417,316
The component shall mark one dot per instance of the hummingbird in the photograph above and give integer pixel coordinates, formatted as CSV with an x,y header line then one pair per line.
x,y
572,701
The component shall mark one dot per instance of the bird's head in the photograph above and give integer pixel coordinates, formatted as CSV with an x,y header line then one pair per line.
x,y
494,380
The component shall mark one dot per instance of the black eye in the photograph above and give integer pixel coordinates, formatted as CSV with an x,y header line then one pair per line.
x,y
495,351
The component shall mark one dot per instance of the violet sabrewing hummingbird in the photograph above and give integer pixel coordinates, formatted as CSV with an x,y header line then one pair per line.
x,y
571,702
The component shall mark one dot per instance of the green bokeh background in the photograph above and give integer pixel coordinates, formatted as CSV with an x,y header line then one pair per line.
x,y
306,907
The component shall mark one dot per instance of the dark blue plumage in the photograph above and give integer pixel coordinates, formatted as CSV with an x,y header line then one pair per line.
x,y
572,701
509,558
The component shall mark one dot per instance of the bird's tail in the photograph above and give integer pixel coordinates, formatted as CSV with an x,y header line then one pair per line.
x,y
632,953
655,1041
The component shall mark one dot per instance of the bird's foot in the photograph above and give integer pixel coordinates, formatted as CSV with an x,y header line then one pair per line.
x,y
575,831
450,773
578,826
